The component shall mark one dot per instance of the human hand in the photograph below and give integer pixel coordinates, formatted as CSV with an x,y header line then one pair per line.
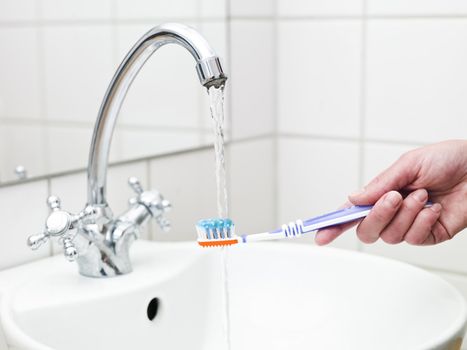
x,y
438,171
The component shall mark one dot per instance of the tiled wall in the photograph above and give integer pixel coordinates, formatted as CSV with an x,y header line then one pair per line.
x,y
57,60
359,83
187,178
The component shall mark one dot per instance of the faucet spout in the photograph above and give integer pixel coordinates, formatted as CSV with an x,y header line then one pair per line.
x,y
209,71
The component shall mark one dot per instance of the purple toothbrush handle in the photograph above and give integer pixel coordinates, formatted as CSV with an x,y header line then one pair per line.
x,y
334,218
342,215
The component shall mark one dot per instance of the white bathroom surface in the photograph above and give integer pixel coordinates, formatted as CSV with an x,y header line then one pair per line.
x,y
282,296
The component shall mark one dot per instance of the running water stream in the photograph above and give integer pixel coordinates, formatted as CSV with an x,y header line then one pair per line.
x,y
216,104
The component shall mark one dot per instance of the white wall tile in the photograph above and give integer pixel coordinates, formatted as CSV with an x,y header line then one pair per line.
x,y
188,182
251,168
417,79
22,144
215,32
327,7
19,71
72,191
246,8
137,143
448,255
79,67
166,79
23,211
118,190
67,147
75,9
17,10
3,153
319,77
213,8
416,7
379,156
253,80
173,9
316,176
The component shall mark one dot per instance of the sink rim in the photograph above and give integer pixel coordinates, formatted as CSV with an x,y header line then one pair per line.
x,y
18,337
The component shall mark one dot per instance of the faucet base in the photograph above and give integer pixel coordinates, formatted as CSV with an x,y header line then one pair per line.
x,y
96,264
98,259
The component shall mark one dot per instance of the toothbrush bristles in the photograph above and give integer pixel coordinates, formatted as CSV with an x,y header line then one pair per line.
x,y
216,232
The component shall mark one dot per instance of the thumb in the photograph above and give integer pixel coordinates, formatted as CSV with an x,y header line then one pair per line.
x,y
399,175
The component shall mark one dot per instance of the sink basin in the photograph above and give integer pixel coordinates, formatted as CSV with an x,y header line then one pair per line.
x,y
282,296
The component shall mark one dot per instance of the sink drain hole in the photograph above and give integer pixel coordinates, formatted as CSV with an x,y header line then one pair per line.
x,y
153,307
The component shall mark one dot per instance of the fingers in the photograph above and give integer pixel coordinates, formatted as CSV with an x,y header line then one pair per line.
x,y
396,177
439,234
383,212
420,233
395,219
394,232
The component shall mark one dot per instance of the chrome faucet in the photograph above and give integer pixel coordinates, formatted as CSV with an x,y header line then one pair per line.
x,y
97,240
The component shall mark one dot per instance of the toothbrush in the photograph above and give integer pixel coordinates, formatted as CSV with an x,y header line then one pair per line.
x,y
221,232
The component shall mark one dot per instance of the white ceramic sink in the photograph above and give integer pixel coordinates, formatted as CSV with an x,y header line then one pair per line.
x,y
282,296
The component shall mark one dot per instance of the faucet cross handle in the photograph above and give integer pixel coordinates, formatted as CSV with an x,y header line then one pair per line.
x,y
58,224
153,201
135,185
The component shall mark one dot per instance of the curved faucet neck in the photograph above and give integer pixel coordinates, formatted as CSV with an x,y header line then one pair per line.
x,y
209,72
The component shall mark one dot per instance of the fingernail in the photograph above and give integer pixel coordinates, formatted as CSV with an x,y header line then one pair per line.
x,y
318,238
436,208
357,193
421,195
392,200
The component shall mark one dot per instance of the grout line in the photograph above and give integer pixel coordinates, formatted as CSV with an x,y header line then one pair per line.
x,y
209,146
362,103
106,21
351,17
137,160
276,144
310,136
228,110
149,183
199,94
278,136
42,83
90,125
411,17
114,33
298,17
158,20
116,60
49,193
